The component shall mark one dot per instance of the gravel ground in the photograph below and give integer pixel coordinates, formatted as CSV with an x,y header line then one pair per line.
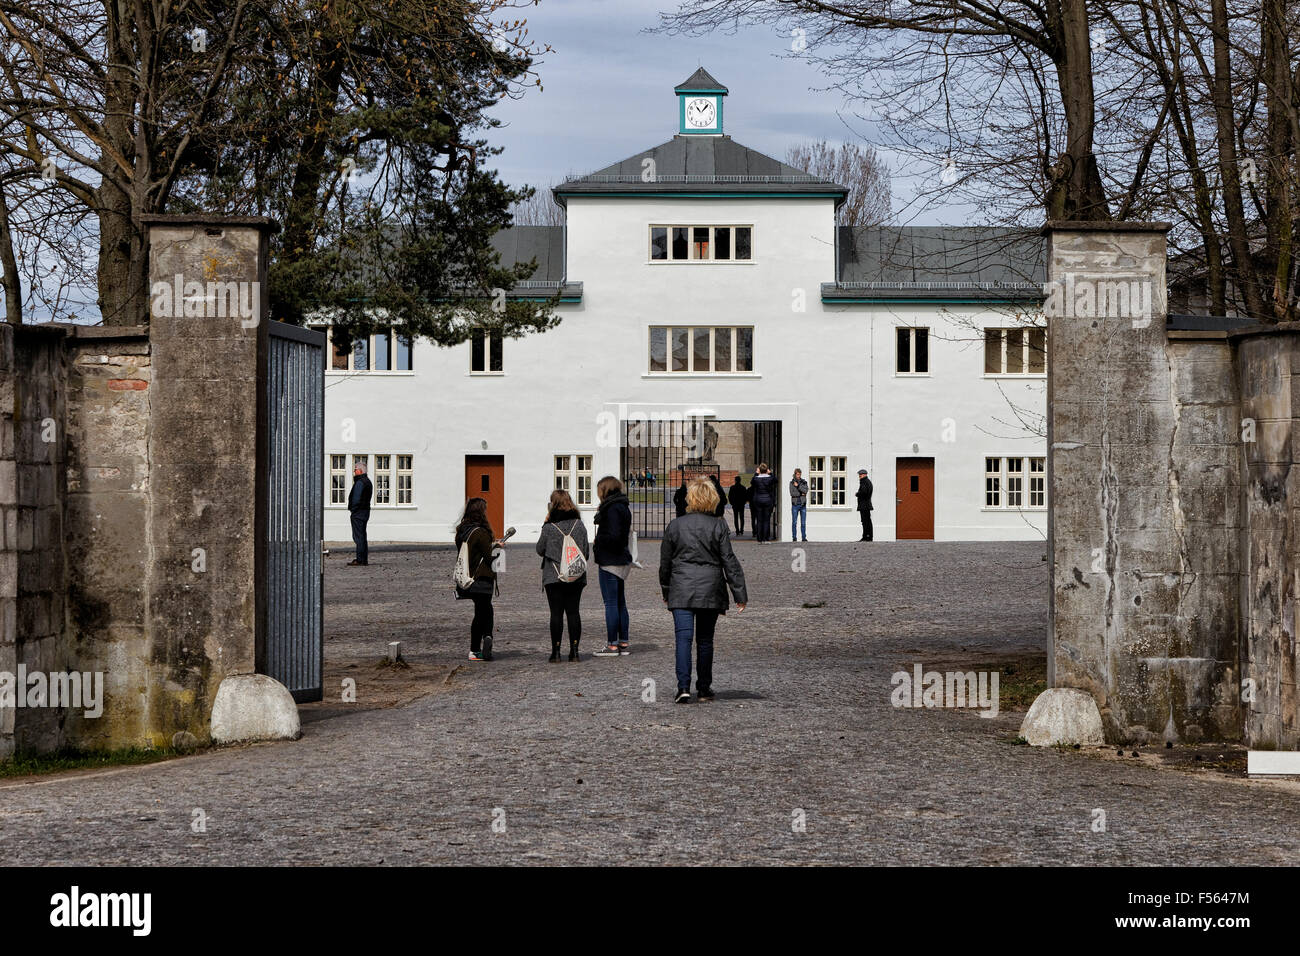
x,y
575,767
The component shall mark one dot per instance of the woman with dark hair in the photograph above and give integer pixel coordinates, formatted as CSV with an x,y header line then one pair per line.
x,y
564,597
721,509
696,566
614,557
475,529
762,499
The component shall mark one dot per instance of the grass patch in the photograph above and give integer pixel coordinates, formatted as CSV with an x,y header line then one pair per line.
x,y
1021,682
27,765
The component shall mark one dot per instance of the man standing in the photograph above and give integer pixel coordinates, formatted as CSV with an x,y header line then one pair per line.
x,y
864,502
798,505
359,505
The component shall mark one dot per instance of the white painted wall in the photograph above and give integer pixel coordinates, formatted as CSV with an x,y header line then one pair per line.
x,y
827,373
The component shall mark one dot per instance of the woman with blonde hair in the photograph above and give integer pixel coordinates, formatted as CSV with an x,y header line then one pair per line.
x,y
563,591
614,557
696,566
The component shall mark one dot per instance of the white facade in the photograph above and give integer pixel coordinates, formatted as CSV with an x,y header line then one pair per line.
x,y
827,373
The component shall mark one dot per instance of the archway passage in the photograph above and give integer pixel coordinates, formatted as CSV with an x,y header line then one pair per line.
x,y
658,457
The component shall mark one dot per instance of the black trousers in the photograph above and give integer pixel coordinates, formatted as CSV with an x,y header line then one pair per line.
x,y
565,598
359,536
762,521
481,626
738,516
866,525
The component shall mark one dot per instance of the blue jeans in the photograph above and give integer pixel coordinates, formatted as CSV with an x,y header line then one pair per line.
x,y
698,625
616,622
799,518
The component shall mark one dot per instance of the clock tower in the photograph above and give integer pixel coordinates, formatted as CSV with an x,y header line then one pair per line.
x,y
699,105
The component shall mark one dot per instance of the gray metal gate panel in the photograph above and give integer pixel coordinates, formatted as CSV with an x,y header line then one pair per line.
x,y
293,642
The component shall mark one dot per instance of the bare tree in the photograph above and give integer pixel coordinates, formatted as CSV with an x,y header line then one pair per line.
x,y
1083,110
538,208
860,168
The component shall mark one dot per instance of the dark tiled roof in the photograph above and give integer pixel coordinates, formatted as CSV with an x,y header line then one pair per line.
x,y
519,244
700,80
692,164
975,262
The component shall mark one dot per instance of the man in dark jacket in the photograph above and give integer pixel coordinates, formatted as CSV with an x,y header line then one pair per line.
x,y
798,505
359,506
738,497
864,503
721,509
762,499
679,498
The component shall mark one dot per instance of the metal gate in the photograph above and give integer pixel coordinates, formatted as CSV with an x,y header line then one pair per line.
x,y
658,457
291,646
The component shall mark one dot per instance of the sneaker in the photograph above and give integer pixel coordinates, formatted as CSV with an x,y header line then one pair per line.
x,y
683,696
704,693
474,656
487,648
624,650
609,650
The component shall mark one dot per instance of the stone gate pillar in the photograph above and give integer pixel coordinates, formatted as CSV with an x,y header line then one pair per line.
x,y
1143,521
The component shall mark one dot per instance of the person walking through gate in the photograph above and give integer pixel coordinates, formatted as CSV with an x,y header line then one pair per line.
x,y
798,505
564,597
359,506
475,529
737,496
696,565
721,509
614,557
864,503
679,497
762,499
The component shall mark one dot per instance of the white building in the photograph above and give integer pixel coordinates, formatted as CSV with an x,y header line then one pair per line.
x,y
703,281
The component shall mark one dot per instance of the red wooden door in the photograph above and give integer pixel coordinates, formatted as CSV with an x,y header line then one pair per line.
x,y
485,477
914,496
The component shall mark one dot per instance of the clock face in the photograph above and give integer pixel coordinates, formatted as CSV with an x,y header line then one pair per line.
x,y
701,113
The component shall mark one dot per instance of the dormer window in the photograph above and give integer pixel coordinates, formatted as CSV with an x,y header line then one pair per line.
x,y
701,243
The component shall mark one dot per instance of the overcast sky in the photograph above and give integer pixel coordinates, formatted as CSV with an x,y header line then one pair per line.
x,y
607,93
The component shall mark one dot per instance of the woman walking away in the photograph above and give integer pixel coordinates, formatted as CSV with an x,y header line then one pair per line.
x,y
762,497
721,509
696,565
611,552
738,495
563,574
475,530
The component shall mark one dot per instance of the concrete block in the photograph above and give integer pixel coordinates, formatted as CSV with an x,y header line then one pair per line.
x,y
1063,715
254,707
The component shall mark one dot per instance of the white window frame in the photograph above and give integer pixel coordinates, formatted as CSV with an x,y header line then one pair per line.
x,y
339,495
487,352
911,351
816,481
576,476
382,478
401,480
828,485
392,335
713,227
1024,351
733,330
1008,486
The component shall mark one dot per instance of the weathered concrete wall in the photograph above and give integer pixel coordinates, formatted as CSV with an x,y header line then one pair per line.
x,y
1268,363
203,455
107,521
1144,523
32,388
